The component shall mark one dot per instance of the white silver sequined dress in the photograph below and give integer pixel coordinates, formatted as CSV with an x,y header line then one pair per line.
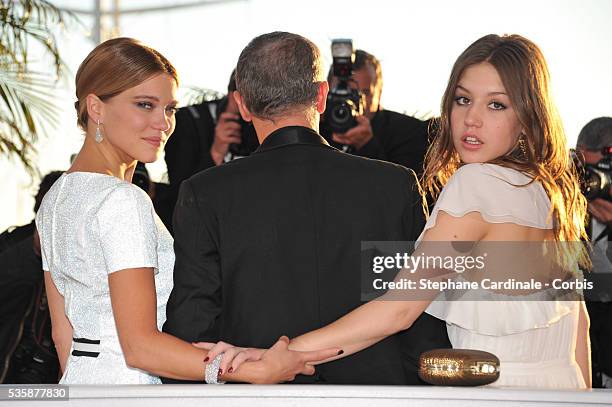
x,y
91,225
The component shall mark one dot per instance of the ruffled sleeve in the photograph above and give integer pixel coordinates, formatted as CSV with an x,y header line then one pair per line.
x,y
127,230
492,313
499,194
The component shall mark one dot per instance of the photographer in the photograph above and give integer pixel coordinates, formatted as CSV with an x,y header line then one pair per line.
x,y
206,135
378,133
595,136
593,139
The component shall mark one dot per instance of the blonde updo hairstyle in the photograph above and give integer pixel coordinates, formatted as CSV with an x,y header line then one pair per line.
x,y
113,67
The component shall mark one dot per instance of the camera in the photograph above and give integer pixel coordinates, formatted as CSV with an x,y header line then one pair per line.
x,y
249,141
596,179
344,103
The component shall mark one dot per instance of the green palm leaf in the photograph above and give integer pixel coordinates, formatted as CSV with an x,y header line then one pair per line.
x,y
26,98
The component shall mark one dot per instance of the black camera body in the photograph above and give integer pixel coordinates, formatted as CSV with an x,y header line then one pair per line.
x,y
596,179
344,103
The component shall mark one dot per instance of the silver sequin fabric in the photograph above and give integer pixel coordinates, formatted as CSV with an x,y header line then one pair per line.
x,y
91,225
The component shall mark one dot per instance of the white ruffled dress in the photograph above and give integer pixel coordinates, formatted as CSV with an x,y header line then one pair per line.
x,y
534,340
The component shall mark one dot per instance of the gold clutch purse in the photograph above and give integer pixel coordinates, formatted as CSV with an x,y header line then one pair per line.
x,y
458,367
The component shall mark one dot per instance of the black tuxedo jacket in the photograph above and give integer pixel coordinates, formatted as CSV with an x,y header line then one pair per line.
x,y
269,245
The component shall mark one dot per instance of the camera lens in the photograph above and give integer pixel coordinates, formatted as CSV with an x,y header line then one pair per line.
x,y
341,114
596,184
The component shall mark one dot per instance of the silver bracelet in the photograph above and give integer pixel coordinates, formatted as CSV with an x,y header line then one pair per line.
x,y
211,373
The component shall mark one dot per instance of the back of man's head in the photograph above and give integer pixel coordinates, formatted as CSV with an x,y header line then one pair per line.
x,y
278,73
596,134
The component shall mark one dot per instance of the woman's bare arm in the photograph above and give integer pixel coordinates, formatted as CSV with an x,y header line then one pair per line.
x,y
583,345
134,305
61,329
378,319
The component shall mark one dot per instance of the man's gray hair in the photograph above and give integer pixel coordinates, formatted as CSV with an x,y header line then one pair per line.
x,y
277,73
596,134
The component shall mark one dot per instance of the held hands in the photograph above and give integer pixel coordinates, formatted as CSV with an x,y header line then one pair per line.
x,y
279,363
233,356
227,131
358,136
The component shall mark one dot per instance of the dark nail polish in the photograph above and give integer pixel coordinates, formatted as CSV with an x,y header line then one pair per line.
x,y
207,359
230,370
220,372
340,352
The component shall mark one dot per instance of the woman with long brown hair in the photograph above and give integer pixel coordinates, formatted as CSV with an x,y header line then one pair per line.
x,y
500,171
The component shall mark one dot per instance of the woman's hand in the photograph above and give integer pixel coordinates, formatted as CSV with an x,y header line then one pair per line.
x,y
233,356
282,365
279,364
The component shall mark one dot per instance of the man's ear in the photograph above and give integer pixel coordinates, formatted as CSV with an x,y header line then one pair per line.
x,y
244,112
322,96
95,108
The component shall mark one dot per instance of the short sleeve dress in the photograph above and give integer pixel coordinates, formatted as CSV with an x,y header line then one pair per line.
x,y
534,340
91,225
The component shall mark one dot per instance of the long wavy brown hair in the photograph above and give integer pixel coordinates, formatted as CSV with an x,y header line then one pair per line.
x,y
524,73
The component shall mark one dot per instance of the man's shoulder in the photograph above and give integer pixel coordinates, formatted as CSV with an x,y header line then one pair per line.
x,y
219,177
384,171
325,153
211,174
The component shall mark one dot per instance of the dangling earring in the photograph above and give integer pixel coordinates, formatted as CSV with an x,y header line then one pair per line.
x,y
523,145
99,136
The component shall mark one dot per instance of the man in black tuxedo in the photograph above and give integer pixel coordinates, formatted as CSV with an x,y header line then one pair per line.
x,y
270,244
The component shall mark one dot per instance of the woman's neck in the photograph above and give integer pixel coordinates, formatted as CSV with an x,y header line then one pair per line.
x,y
102,158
